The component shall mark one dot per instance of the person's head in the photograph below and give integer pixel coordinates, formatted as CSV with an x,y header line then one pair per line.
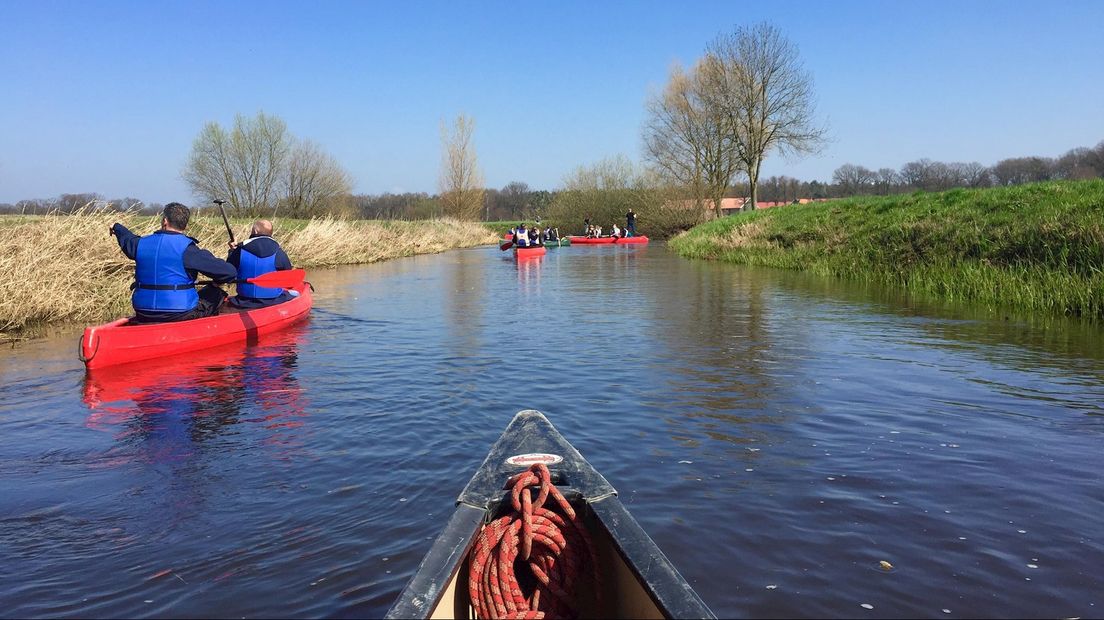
x,y
262,228
175,216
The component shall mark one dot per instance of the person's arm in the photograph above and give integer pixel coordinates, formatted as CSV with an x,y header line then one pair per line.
x,y
197,259
128,241
234,257
283,263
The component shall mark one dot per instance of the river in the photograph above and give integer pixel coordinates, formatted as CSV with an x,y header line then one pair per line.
x,y
779,435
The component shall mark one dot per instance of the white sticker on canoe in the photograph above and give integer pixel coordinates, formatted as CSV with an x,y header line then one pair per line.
x,y
525,460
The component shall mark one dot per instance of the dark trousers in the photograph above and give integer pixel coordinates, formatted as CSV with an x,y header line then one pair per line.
x,y
211,299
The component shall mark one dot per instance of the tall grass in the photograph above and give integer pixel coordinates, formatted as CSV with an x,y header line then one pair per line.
x,y
66,268
1034,247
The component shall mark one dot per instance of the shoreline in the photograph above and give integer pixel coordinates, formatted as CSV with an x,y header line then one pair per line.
x,y
1036,248
66,269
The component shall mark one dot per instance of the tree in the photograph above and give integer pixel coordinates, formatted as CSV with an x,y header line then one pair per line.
x,y
765,96
314,183
461,181
243,165
685,137
853,180
885,179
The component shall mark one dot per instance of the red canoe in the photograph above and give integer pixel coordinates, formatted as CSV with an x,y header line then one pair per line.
x,y
530,252
120,341
608,240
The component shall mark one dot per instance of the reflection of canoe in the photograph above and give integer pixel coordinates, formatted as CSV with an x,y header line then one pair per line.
x,y
530,252
609,240
119,341
636,579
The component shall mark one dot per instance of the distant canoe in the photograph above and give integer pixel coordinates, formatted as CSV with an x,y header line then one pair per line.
x,y
637,580
608,240
529,252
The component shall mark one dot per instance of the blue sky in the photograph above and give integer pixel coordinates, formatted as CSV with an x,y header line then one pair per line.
x,y
108,96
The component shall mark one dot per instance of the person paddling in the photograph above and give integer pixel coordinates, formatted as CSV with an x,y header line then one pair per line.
x,y
256,256
166,265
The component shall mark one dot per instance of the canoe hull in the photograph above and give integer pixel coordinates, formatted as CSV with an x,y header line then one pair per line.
x,y
531,252
638,580
608,240
120,342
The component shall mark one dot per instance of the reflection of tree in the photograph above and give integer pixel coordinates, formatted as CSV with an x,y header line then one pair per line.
x,y
464,298
1056,342
719,321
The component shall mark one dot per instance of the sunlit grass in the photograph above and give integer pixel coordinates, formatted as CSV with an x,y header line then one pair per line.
x,y
1035,247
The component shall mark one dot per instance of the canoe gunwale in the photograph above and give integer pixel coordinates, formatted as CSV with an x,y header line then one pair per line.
x,y
483,497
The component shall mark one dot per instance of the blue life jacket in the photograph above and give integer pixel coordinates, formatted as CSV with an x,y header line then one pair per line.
x,y
251,266
161,282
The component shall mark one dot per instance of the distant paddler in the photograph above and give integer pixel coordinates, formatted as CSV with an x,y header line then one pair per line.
x,y
166,266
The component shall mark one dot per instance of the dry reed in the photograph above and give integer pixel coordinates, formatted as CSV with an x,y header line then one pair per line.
x,y
67,268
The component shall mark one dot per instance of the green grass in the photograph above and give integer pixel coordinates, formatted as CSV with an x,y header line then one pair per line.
x,y
1035,247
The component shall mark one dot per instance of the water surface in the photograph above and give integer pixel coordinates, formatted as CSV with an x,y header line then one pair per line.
x,y
777,434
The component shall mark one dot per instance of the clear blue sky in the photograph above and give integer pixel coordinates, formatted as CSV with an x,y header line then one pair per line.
x,y
105,96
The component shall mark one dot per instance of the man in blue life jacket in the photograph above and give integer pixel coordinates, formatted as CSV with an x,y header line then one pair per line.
x,y
256,256
166,265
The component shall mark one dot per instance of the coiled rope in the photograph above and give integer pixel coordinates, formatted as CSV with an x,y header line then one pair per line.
x,y
554,545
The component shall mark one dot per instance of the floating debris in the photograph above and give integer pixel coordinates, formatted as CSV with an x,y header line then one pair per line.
x,y
866,606
685,462
946,611
1033,566
885,565
772,587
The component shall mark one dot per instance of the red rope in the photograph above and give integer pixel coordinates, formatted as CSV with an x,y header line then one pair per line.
x,y
554,545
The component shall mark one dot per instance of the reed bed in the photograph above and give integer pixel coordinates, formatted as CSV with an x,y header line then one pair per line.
x,y
68,269
1037,247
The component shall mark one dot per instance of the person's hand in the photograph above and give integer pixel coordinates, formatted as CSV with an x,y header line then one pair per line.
x,y
234,244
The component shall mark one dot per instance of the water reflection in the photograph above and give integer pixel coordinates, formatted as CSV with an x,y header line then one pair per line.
x,y
170,410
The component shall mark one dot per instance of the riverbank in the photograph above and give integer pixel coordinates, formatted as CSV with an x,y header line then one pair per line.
x,y
67,269
1034,247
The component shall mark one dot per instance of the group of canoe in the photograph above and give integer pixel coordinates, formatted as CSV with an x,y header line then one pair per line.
x,y
605,565
541,250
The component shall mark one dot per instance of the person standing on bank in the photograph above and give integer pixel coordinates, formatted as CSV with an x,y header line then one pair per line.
x,y
166,265
256,256
630,224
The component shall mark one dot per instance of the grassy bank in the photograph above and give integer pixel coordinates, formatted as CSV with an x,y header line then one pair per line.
x,y
66,268
1034,247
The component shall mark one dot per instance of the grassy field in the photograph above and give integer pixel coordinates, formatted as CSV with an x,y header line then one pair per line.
x,y
1033,247
66,268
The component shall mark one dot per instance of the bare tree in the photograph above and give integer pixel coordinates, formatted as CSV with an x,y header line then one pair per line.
x,y
853,180
885,179
243,165
314,182
685,137
461,181
765,94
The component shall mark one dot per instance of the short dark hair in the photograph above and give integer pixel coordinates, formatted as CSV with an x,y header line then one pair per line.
x,y
177,214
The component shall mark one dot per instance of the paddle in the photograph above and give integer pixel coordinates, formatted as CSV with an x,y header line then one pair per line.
x,y
506,246
288,278
225,220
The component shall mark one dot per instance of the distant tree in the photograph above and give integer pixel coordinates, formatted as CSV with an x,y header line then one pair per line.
x,y
853,180
1020,170
515,200
765,94
68,203
314,183
461,181
686,138
244,165
885,179
918,174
